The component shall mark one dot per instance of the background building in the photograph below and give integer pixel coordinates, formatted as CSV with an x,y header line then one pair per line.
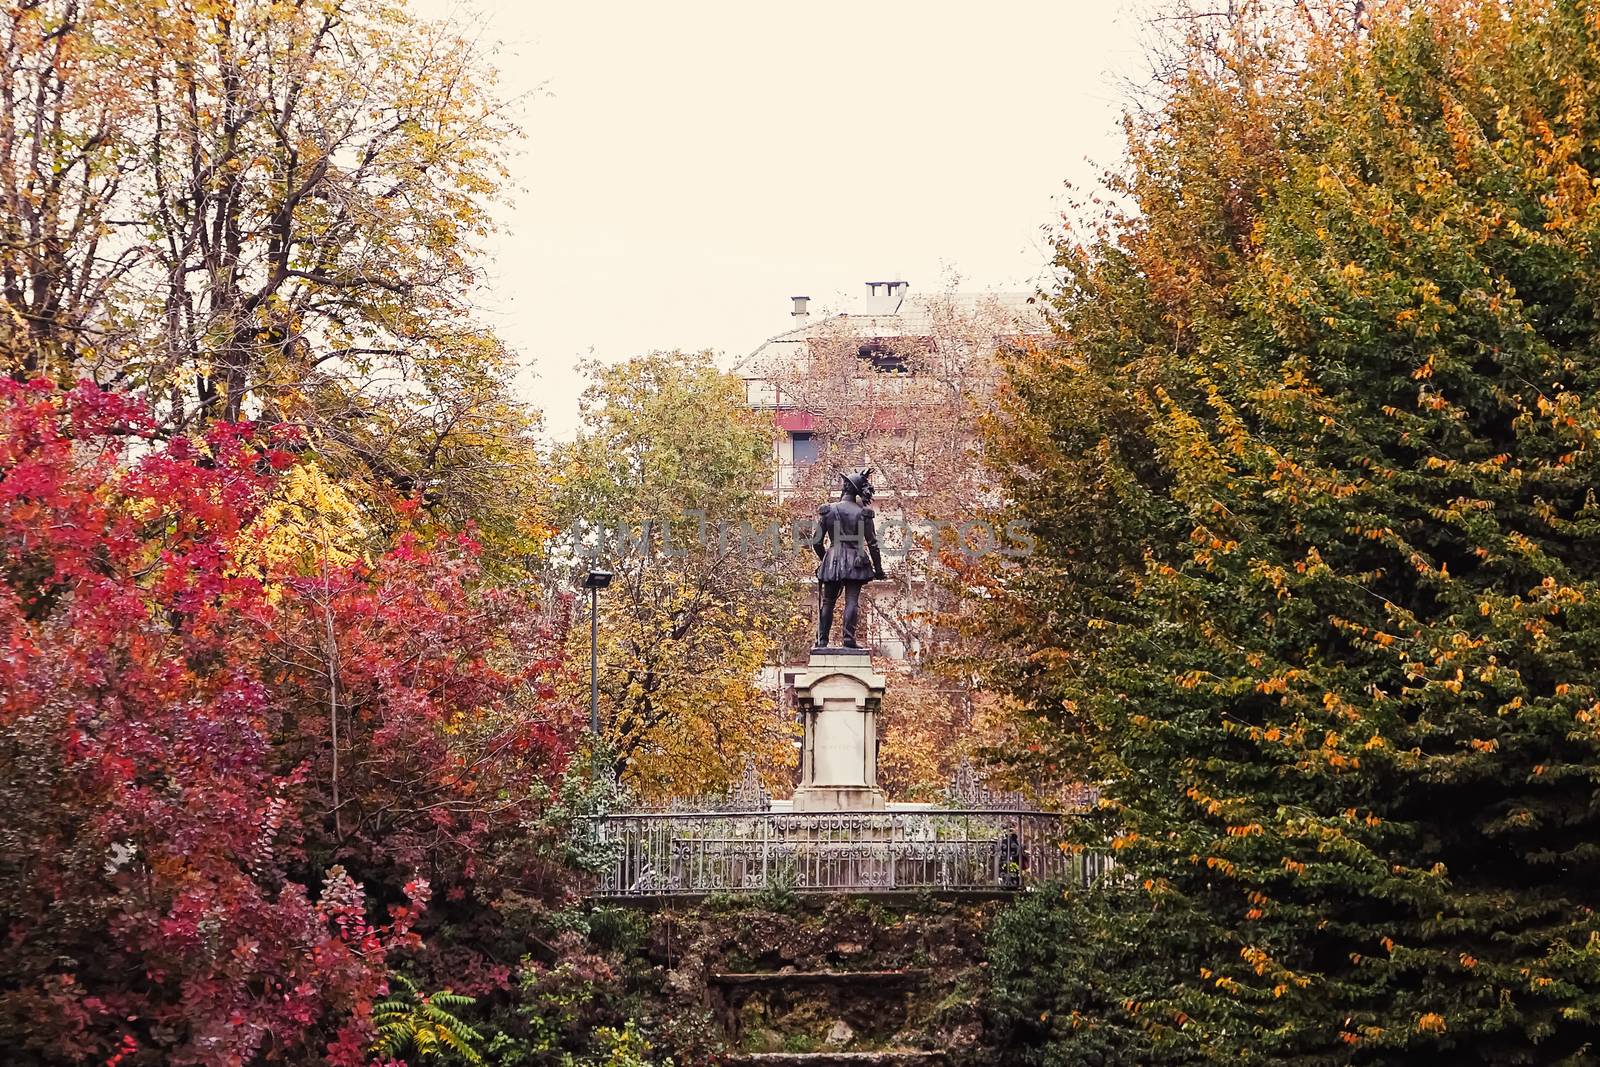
x,y
892,332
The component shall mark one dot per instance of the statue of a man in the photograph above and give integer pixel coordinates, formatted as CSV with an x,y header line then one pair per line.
x,y
847,550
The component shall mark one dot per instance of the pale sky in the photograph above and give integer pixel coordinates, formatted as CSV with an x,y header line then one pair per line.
x,y
690,166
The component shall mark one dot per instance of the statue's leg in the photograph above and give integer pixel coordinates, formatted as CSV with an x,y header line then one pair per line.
x,y
828,597
852,613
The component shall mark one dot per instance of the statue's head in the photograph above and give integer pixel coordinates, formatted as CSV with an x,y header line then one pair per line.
x,y
857,485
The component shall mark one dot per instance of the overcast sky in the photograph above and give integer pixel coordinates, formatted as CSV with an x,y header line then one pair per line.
x,y
690,166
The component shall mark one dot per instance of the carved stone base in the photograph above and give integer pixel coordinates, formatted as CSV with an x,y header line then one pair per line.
x,y
839,798
838,699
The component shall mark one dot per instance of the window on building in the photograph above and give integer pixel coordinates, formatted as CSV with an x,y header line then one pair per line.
x,y
805,448
883,358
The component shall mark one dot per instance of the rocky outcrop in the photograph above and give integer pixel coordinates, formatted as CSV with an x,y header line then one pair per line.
x,y
834,981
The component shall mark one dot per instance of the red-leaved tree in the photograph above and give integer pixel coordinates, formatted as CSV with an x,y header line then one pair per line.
x,y
226,795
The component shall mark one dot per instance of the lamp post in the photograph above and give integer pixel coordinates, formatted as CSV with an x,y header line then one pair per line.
x,y
596,580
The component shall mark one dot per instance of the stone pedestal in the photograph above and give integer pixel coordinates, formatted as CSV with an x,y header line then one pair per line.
x,y
838,698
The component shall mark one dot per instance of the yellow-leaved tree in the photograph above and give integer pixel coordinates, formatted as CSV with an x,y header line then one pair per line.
x,y
664,486
307,522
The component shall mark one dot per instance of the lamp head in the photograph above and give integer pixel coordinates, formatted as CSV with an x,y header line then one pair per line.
x,y
598,578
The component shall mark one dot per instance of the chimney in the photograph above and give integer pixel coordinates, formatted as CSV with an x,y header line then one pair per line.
x,y
800,311
883,298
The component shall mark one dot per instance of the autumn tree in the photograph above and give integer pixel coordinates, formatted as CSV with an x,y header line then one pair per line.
x,y
929,722
664,485
146,833
1312,469
268,211
233,783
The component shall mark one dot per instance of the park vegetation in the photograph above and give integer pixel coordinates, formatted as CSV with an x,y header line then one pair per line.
x,y
665,486
294,762
1313,470
289,766
241,791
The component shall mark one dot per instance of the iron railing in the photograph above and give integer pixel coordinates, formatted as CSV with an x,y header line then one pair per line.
x,y
945,850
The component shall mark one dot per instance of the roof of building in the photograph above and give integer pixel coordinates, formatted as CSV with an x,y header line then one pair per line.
x,y
909,315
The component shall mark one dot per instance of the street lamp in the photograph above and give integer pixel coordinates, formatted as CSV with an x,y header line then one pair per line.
x,y
596,580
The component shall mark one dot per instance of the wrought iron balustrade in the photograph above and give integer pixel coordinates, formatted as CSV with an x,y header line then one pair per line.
x,y
657,854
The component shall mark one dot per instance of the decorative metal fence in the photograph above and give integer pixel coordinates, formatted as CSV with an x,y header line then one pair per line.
x,y
657,854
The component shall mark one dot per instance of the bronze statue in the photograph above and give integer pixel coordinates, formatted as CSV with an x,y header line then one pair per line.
x,y
850,558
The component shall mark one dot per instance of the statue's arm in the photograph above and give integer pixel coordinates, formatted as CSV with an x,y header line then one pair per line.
x,y
871,532
818,532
